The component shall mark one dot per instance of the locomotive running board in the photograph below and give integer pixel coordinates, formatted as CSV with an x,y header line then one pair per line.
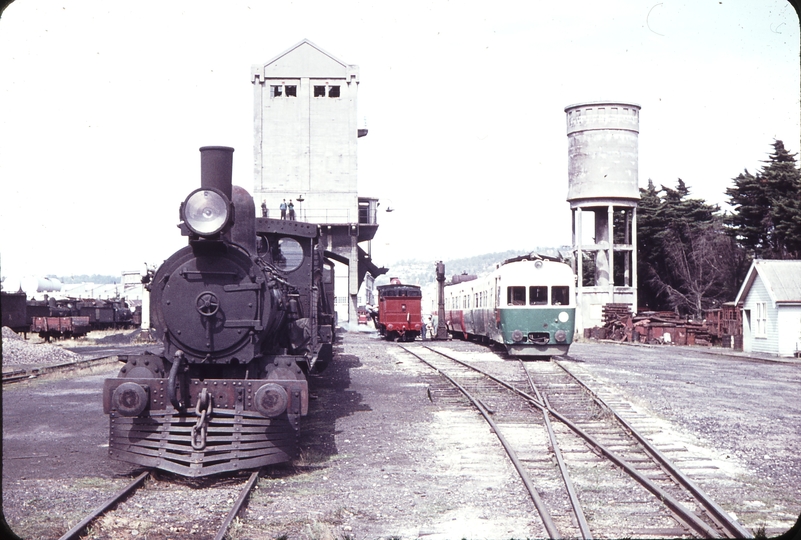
x,y
236,440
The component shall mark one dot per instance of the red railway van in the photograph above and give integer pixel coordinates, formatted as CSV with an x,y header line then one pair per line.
x,y
60,327
399,311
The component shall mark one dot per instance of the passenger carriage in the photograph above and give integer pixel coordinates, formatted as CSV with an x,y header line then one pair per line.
x,y
527,305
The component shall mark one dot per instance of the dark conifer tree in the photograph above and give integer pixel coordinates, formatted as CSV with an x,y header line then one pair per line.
x,y
687,262
767,207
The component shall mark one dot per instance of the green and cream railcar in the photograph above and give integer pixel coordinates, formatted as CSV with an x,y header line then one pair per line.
x,y
526,305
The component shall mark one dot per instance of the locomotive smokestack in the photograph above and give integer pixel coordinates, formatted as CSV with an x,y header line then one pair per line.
x,y
216,168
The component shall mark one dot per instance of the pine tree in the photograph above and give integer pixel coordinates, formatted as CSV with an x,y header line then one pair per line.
x,y
687,262
767,207
649,225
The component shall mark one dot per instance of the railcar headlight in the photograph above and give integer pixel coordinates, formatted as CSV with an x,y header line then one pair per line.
x,y
563,316
206,211
517,336
560,336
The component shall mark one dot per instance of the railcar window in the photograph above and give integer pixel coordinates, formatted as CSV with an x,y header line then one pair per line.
x,y
333,91
516,296
319,91
537,295
275,91
291,90
560,295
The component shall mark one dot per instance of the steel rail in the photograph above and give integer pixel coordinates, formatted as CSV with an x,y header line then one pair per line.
x,y
547,520
686,516
571,491
240,501
718,515
114,499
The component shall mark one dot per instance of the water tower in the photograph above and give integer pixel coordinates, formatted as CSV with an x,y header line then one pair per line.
x,y
603,192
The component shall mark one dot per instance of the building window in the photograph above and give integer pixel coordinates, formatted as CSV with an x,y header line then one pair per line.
x,y
761,321
291,90
275,91
333,91
319,91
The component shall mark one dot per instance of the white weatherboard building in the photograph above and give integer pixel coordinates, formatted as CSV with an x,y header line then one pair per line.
x,y
771,302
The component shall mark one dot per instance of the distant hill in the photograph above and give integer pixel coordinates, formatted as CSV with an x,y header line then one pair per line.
x,y
86,278
416,272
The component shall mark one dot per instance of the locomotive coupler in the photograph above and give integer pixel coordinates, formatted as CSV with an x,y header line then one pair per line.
x,y
203,409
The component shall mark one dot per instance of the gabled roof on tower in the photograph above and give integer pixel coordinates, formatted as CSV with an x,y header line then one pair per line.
x,y
305,59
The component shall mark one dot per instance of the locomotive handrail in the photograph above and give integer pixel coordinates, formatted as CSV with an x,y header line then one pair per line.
x,y
184,272
243,287
178,360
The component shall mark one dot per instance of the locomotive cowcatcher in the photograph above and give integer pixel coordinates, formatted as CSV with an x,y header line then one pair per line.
x,y
244,313
399,311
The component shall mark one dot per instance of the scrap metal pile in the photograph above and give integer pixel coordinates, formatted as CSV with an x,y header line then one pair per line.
x,y
652,327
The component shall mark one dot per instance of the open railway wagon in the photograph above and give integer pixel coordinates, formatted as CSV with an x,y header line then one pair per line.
x,y
244,313
526,305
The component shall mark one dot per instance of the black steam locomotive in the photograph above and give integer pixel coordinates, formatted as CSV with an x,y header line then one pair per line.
x,y
244,312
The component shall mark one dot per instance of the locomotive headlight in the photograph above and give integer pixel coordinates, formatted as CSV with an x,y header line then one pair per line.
x,y
206,211
563,317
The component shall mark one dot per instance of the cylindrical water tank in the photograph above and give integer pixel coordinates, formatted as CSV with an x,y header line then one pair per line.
x,y
602,150
37,284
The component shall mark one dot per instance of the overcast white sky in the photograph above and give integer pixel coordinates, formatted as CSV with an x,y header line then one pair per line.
x,y
103,106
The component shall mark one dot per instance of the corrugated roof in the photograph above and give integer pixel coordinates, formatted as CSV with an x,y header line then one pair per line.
x,y
781,278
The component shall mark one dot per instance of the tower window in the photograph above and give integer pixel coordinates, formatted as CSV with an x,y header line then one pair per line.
x,y
275,91
319,91
291,90
333,91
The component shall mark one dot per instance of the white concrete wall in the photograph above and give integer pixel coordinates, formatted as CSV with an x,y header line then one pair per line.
x,y
306,145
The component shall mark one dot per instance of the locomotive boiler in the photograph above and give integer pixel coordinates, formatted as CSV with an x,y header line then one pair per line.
x,y
244,313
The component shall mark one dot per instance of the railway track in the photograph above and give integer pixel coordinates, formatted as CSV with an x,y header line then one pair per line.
x,y
138,483
588,471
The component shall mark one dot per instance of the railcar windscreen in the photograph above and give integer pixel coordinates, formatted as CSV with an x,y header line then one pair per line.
x,y
516,296
538,295
560,295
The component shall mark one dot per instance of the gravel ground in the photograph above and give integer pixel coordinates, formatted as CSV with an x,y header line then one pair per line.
x,y
17,351
740,416
384,458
